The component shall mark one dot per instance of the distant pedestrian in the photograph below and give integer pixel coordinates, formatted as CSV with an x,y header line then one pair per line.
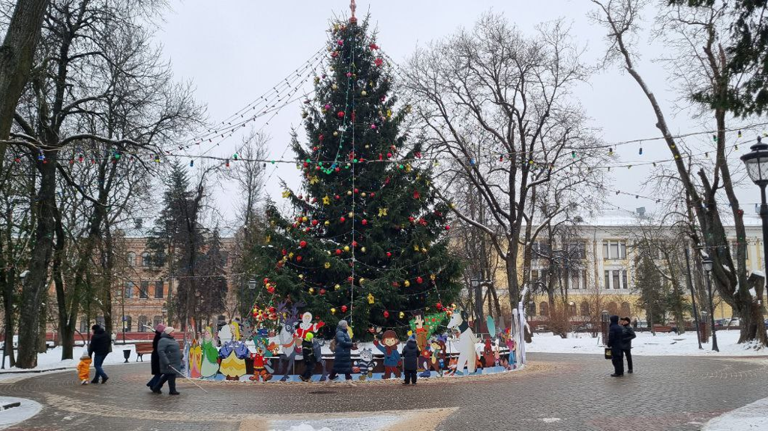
x,y
99,349
615,340
169,355
156,374
626,345
410,358
84,368
308,353
342,359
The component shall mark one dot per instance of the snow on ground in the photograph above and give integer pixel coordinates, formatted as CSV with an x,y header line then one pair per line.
x,y
752,417
646,344
14,415
51,359
365,423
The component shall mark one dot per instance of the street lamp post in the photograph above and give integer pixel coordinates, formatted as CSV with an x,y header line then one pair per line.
x,y
756,162
707,264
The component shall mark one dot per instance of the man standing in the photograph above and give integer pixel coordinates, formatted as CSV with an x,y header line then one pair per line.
x,y
627,337
615,341
99,349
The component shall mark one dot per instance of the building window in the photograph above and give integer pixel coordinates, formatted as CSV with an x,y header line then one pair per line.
x,y
156,321
585,309
544,309
572,309
128,289
128,323
734,249
576,250
616,279
625,310
532,309
613,310
146,260
131,258
159,289
100,321
576,281
142,323
83,325
540,250
224,259
144,290
614,250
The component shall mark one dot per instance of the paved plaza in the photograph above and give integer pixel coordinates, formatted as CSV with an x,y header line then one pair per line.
x,y
555,392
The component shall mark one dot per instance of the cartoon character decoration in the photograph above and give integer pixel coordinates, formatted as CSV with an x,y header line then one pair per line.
x,y
233,354
467,354
307,326
489,355
261,369
289,342
225,334
439,360
423,362
421,332
365,365
388,346
210,365
195,359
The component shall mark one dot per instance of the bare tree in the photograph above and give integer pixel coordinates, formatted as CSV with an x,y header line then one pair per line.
x,y
706,66
497,104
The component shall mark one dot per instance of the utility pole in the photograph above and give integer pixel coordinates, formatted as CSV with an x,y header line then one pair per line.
x,y
693,295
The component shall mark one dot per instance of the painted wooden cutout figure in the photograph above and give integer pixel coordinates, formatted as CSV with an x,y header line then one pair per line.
x,y
210,354
439,358
261,369
318,346
467,341
306,326
391,355
233,356
365,365
421,332
289,342
195,359
489,356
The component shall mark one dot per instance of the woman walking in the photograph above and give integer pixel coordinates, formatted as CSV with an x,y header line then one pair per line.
x,y
342,360
169,354
156,374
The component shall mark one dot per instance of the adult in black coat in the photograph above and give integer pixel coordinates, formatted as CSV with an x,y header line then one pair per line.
x,y
155,361
342,359
99,349
615,342
169,355
626,342
410,356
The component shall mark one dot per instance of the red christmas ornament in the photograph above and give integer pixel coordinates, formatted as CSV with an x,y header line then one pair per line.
x,y
356,190
314,222
306,165
284,253
271,289
307,229
419,280
389,155
337,196
338,251
447,227
381,157
337,170
439,306
298,258
411,219
416,194
378,62
322,291
303,244
342,219
389,254
350,279
266,280
373,195
343,308
341,114
386,314
364,222
354,243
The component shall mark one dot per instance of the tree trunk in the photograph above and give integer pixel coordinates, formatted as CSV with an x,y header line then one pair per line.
x,y
33,293
16,59
8,318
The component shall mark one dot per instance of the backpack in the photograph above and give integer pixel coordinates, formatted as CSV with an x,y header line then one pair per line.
x,y
333,345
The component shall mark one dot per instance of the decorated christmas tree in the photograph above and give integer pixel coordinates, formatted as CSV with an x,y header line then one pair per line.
x,y
366,237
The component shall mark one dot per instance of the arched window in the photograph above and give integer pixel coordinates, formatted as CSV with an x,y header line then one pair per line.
x,y
128,324
612,308
142,323
585,309
83,325
146,260
544,309
131,258
626,311
572,309
156,321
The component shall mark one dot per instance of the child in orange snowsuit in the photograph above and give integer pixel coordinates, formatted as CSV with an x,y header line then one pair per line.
x,y
84,368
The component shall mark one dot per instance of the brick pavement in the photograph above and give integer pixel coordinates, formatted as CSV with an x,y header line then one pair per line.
x,y
557,392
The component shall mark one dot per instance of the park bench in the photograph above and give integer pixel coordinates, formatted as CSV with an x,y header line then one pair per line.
x,y
141,349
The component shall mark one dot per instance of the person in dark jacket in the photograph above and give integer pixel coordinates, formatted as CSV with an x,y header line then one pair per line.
x,y
410,356
342,359
169,355
615,342
308,353
156,374
626,341
99,349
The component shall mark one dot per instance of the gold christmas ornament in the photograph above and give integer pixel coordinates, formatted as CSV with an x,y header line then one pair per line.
x,y
407,283
327,264
336,287
346,248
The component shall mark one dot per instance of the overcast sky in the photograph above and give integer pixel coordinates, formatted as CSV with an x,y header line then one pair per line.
x,y
235,50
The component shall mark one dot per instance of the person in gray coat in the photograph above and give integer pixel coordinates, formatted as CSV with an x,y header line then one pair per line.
x,y
169,353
